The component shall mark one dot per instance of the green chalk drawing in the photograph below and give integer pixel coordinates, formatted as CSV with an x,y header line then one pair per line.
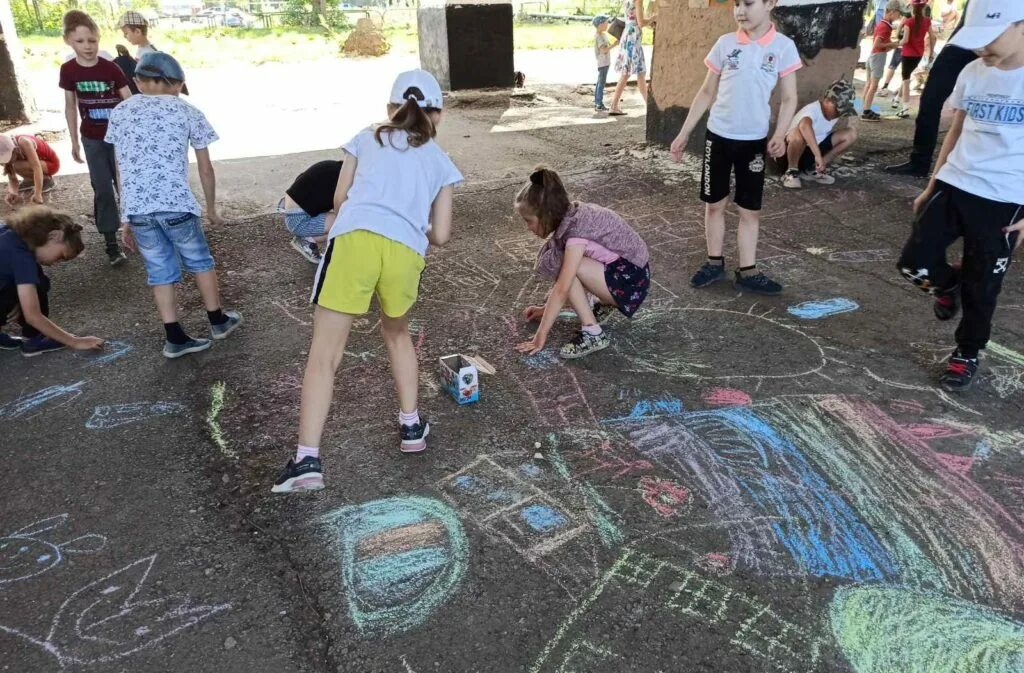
x,y
213,419
600,513
1005,354
890,629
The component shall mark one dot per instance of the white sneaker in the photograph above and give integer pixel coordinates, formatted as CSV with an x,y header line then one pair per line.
x,y
820,178
884,93
791,180
904,113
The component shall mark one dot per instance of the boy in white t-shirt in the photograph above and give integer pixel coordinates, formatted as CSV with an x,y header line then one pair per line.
x,y
813,142
743,69
976,192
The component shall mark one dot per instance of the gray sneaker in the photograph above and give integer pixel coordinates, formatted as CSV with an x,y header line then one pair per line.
x,y
309,251
603,313
584,344
172,351
222,330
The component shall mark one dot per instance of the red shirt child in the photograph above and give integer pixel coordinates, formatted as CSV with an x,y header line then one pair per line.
x,y
96,90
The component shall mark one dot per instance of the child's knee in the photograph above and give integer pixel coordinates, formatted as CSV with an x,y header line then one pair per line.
x,y
717,208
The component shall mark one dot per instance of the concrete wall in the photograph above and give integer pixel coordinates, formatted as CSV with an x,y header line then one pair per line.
x,y
826,32
467,45
15,100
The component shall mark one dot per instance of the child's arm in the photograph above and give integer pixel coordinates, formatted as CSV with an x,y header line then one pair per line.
x,y
29,148
71,115
932,39
209,181
125,93
806,129
441,217
571,261
13,195
28,298
345,180
701,102
787,109
955,131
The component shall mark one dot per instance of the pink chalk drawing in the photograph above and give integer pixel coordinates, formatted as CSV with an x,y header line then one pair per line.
x,y
959,464
907,406
726,397
666,497
926,431
603,456
716,564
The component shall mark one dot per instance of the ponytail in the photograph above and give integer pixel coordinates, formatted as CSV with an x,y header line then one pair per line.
x,y
919,17
412,119
545,198
33,226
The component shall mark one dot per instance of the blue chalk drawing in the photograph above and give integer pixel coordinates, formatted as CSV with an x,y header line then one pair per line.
x,y
816,310
543,518
654,408
112,416
546,359
112,350
32,405
529,469
401,558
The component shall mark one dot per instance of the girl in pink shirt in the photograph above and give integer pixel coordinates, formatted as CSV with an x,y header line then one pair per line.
x,y
589,249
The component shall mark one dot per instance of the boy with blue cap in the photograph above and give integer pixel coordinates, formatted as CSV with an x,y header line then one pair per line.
x,y
602,50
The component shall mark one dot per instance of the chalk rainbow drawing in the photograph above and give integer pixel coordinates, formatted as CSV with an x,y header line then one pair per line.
x,y
401,559
30,406
27,553
882,629
115,415
816,310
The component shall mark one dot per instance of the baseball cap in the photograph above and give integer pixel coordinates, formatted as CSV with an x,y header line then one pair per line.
x,y
132,19
985,21
159,65
842,94
599,19
417,79
6,149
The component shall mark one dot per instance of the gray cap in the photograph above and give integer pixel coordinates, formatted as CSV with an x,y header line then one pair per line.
x,y
159,65
842,94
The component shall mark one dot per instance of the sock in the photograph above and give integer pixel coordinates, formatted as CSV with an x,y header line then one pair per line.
x,y
217,317
175,334
409,419
967,353
592,330
748,271
110,238
306,452
717,260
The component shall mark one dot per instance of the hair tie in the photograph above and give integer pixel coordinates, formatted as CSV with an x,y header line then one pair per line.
x,y
412,96
537,178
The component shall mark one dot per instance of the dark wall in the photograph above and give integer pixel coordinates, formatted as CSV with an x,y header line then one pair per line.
x,y
480,47
834,25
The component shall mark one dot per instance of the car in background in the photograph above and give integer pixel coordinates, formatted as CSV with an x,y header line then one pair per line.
x,y
236,18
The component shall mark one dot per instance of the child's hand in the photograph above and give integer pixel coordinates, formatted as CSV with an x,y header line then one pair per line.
x,y
37,198
678,148
921,201
777,146
76,152
534,345
12,198
1019,227
533,313
89,343
215,218
820,165
127,239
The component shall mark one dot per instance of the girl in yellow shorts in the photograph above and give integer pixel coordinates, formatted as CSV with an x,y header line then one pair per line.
x,y
394,197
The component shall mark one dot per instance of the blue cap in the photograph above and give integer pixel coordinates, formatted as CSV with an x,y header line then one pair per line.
x,y
599,19
159,65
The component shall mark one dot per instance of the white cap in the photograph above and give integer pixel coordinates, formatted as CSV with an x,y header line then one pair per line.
x,y
6,149
986,20
417,79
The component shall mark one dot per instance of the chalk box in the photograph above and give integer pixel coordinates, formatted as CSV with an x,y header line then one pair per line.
x,y
460,378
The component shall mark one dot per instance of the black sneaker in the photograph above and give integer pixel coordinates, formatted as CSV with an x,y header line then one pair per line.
x,y
116,257
304,476
871,116
959,374
947,304
758,284
908,168
38,345
708,274
603,313
48,184
584,344
10,343
414,437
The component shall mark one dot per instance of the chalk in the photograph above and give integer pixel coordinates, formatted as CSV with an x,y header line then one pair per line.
x,y
538,456
482,366
536,445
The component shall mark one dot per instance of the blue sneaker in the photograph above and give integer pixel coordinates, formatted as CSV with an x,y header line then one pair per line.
x,y
172,351
708,274
306,475
38,345
222,330
10,343
758,284
414,437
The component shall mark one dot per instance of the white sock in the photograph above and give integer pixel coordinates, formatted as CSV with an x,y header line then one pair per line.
x,y
409,419
306,452
592,330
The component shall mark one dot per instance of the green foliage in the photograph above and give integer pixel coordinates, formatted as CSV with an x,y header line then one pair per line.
x,y
306,13
103,12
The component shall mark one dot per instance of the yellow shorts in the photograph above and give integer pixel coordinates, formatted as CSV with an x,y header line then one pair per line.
x,y
358,265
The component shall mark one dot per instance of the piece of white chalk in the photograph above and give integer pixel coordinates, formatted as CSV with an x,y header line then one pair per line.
x,y
536,445
538,456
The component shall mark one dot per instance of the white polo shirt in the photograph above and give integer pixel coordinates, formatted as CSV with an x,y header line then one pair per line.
x,y
822,126
749,72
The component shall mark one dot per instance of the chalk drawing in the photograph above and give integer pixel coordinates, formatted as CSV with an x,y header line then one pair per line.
x,y
601,515
596,452
816,310
666,497
27,553
882,629
401,559
287,312
104,621
545,359
116,415
699,614
862,256
113,349
653,408
213,420
47,399
726,397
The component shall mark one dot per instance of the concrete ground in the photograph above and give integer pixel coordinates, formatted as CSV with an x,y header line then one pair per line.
x,y
738,483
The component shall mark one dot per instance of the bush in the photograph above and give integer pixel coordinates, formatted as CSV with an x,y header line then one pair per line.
x,y
304,13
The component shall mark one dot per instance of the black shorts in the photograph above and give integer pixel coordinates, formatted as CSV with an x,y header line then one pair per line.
x,y
722,157
897,58
807,158
628,284
910,64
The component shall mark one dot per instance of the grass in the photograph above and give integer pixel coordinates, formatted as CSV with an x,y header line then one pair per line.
x,y
208,47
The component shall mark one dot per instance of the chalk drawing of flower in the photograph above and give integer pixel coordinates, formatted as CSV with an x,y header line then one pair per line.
x,y
666,497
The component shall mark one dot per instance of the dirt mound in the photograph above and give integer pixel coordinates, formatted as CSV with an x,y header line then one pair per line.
x,y
366,40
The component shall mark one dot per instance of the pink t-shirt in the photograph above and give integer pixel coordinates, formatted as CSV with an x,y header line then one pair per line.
x,y
593,250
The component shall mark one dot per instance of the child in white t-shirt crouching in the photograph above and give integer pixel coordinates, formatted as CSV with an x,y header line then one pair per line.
x,y
813,142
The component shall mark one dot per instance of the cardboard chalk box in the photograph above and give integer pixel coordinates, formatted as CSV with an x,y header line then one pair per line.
x,y
460,378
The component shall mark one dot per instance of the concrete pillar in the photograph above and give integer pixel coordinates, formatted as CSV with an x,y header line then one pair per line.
x,y
467,45
16,103
827,33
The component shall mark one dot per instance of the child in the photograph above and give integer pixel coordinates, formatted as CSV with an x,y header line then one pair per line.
x,y
883,43
976,192
396,189
93,86
602,50
135,29
151,134
33,238
589,249
812,143
31,158
743,69
915,30
308,207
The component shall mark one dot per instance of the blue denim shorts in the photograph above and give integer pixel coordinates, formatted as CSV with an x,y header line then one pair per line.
x,y
301,223
169,242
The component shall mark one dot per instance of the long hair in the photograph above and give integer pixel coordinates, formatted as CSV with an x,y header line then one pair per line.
x,y
412,119
34,224
545,198
76,18
919,17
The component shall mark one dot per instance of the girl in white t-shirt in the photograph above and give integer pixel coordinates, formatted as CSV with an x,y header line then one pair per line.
x,y
394,195
743,69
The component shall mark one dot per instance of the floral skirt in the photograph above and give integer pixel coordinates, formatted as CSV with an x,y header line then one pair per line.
x,y
630,60
627,284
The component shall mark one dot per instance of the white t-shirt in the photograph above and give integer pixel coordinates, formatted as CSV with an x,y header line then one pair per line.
x,y
749,72
151,135
988,160
822,126
145,49
604,59
394,188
